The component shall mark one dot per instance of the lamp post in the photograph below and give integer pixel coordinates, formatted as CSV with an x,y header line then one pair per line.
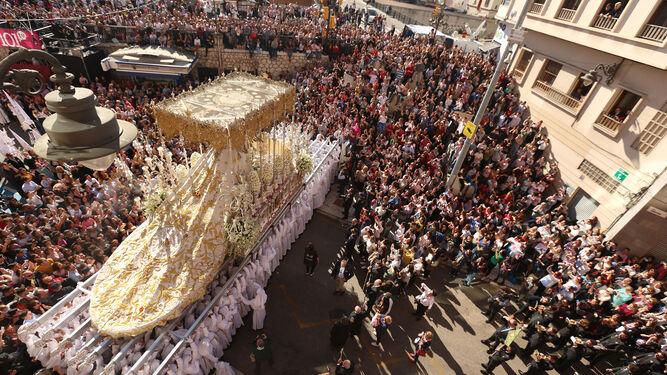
x,y
463,153
77,130
592,75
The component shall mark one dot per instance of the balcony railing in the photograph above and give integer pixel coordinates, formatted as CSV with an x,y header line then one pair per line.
x,y
654,32
605,22
536,8
518,74
608,124
566,14
560,98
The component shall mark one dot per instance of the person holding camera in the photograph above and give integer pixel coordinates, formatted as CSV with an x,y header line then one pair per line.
x,y
422,344
261,353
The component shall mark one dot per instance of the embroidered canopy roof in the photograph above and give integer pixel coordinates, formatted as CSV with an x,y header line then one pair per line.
x,y
227,112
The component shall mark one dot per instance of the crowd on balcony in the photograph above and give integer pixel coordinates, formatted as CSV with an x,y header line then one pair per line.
x,y
398,104
613,9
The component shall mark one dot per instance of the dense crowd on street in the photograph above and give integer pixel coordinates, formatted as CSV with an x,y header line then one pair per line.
x,y
397,104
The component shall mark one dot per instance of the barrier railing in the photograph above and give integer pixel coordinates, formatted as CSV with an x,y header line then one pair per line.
x,y
654,32
605,22
608,124
566,14
554,95
536,8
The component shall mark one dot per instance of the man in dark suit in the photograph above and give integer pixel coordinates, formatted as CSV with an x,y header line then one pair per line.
x,y
574,353
497,358
614,343
341,272
539,365
541,335
500,335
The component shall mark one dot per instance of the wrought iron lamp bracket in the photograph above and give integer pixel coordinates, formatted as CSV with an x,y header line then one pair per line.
x,y
29,80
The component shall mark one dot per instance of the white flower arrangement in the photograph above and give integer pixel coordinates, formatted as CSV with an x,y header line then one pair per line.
x,y
153,200
241,233
304,162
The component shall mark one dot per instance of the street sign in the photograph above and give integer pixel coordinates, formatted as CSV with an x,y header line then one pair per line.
x,y
620,175
469,129
517,36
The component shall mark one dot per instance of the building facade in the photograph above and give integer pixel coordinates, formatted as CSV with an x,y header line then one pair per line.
x,y
606,132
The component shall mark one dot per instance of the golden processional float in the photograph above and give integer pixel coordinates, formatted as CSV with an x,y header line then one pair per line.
x,y
222,205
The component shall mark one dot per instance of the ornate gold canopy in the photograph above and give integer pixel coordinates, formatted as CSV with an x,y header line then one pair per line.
x,y
226,112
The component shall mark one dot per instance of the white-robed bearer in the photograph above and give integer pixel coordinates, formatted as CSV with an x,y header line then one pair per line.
x,y
257,303
424,301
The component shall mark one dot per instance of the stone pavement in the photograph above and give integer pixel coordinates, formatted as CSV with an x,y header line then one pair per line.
x,y
301,309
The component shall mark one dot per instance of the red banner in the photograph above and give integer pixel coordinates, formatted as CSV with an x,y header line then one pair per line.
x,y
20,38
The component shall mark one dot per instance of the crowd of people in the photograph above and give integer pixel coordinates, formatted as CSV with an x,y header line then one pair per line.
x,y
64,220
193,25
397,103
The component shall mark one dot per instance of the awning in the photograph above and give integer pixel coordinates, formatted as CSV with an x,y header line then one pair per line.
x,y
488,46
423,30
150,61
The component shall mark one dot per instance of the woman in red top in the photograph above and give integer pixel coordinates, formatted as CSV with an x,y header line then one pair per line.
x,y
422,344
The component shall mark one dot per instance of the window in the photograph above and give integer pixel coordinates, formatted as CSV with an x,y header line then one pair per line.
x,y
624,104
524,60
571,4
579,91
486,3
522,64
659,18
550,72
582,206
598,176
537,6
656,28
609,14
566,13
613,8
653,133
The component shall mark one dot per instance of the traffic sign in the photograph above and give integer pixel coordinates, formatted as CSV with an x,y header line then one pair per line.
x,y
620,174
469,129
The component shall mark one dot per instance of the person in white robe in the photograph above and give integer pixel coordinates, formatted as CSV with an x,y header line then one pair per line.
x,y
257,303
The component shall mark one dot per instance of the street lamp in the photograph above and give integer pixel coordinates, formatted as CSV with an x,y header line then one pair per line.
x,y
77,130
593,76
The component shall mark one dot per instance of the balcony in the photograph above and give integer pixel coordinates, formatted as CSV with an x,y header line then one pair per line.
x,y
654,32
518,74
557,97
536,8
605,22
607,125
566,14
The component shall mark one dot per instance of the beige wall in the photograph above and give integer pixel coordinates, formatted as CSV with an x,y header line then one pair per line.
x,y
621,41
573,136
